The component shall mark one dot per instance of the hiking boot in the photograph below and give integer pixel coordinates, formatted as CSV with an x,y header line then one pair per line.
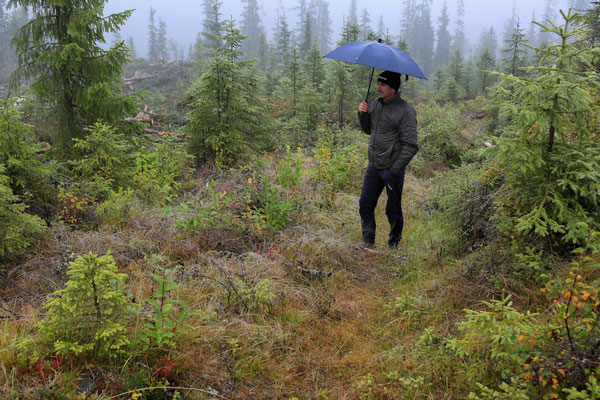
x,y
365,245
393,245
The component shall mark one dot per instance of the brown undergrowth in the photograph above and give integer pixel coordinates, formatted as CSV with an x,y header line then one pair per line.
x,y
281,314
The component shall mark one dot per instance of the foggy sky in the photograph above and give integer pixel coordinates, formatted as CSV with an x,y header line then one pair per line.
x,y
184,17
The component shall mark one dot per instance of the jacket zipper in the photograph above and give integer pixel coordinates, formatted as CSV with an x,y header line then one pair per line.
x,y
375,134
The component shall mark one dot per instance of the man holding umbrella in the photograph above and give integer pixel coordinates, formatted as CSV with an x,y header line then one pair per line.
x,y
392,124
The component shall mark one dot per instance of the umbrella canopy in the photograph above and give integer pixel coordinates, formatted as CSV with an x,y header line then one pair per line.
x,y
377,55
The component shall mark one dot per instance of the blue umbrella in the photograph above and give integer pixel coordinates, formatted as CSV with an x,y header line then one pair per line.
x,y
377,55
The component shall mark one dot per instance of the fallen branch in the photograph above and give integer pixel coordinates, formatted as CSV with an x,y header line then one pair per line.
x,y
144,120
163,133
478,115
212,393
15,315
224,354
315,272
139,76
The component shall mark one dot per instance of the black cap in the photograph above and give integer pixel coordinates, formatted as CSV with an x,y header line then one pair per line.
x,y
392,79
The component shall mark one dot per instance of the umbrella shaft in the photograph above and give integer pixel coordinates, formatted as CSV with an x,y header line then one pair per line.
x,y
370,80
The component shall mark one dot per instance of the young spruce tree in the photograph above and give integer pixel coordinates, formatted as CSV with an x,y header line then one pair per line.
x,y
550,150
227,118
89,317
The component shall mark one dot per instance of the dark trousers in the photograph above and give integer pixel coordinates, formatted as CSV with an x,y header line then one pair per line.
x,y
374,182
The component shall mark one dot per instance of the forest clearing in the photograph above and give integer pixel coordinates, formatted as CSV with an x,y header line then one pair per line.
x,y
187,228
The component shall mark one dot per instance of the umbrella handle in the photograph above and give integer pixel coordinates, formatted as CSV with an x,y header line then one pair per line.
x,y
369,89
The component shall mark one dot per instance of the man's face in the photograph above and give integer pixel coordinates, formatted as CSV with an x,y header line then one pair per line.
x,y
385,91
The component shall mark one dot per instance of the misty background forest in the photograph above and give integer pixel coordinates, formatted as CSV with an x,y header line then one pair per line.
x,y
179,202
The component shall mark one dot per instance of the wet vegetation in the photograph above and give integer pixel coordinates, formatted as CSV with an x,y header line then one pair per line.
x,y
185,229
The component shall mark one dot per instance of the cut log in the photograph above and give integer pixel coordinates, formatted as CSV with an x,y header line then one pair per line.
x,y
44,149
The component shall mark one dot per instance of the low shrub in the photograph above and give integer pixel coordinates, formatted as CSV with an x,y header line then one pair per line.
x,y
104,160
18,229
464,201
27,176
169,314
118,209
509,354
340,162
290,170
158,171
440,134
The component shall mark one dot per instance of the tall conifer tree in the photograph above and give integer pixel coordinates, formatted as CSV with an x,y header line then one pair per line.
x,y
592,21
162,49
532,35
488,41
283,38
422,48
252,29
460,38
353,14
59,51
408,21
341,80
444,40
382,30
323,29
301,10
313,71
515,56
509,25
365,24
313,68
211,26
152,36
294,74
131,46
579,5
15,20
485,63
307,34
198,52
456,68
4,36
549,14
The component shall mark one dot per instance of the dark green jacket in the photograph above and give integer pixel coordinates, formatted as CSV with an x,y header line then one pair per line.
x,y
393,129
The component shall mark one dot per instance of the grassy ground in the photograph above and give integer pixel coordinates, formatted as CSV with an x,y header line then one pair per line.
x,y
282,313
295,313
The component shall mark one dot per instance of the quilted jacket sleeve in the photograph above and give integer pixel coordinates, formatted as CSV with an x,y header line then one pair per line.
x,y
365,122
